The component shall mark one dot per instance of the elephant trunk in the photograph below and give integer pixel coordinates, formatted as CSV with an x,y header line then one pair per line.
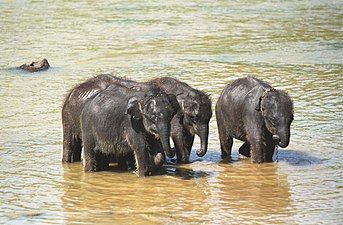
x,y
284,136
203,134
276,139
164,131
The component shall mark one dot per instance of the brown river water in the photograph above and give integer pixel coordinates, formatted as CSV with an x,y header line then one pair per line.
x,y
295,45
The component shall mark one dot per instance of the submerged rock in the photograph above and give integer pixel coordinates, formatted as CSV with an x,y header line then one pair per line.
x,y
36,66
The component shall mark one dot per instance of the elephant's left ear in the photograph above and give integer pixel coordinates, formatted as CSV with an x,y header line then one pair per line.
x,y
133,108
258,97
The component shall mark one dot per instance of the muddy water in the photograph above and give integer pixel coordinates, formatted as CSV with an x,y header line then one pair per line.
x,y
294,45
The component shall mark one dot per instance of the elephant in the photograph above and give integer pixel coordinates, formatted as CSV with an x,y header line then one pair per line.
x,y
193,118
73,104
36,66
252,111
121,121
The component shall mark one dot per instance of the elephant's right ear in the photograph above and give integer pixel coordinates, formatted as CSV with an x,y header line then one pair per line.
x,y
173,101
258,97
133,108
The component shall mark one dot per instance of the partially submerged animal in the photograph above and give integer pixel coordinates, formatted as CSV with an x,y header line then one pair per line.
x,y
36,66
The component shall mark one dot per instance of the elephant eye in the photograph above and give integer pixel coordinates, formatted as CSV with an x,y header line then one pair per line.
x,y
273,121
195,118
154,117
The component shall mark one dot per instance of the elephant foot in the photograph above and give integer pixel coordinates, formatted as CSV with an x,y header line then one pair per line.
x,y
225,155
183,161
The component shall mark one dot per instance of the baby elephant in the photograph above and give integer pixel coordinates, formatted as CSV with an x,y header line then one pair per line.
x,y
120,121
73,104
252,111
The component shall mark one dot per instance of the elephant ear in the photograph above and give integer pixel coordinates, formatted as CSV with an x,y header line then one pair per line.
x,y
257,93
133,108
173,101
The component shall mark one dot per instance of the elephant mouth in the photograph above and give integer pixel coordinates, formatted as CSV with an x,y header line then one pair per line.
x,y
277,141
155,133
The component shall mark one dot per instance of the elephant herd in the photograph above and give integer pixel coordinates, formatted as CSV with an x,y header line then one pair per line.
x,y
114,119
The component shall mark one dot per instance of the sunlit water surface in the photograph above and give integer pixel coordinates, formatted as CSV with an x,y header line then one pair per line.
x,y
295,45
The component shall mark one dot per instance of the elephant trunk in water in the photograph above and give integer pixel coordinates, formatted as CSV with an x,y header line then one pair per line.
x,y
164,131
203,134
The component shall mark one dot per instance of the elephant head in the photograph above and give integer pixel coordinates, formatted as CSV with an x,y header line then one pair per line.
x,y
277,112
155,110
197,114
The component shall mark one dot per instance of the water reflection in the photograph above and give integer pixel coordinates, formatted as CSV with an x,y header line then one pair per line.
x,y
106,197
298,158
200,192
248,190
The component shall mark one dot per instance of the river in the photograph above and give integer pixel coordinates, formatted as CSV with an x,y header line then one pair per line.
x,y
296,46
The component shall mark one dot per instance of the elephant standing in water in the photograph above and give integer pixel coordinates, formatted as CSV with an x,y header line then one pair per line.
x,y
120,121
252,111
193,118
73,105
71,111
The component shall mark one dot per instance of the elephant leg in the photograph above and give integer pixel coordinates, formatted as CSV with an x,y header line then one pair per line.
x,y
245,149
188,140
180,136
182,152
185,144
72,146
269,152
144,164
67,147
226,146
90,158
257,151
226,140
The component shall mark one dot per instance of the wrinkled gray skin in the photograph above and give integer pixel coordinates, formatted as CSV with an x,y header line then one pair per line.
x,y
193,118
120,121
71,111
73,104
252,111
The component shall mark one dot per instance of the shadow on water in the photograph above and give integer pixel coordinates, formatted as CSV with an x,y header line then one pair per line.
x,y
298,158
169,169
292,157
184,173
